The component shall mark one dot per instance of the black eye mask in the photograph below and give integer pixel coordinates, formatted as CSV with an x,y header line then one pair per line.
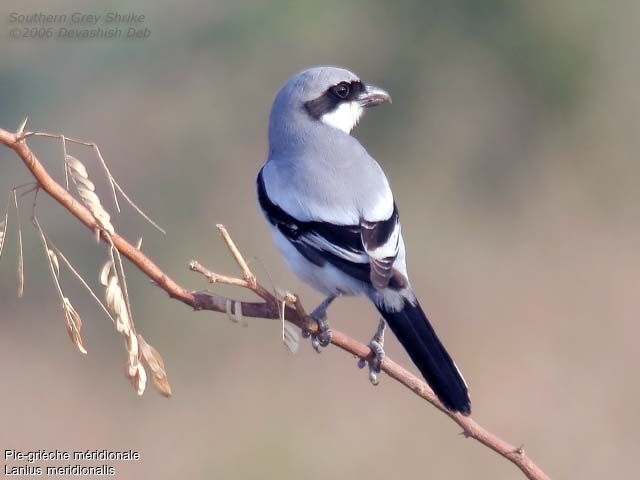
x,y
331,98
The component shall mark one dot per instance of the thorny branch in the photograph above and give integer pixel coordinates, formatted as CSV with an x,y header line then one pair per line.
x,y
285,306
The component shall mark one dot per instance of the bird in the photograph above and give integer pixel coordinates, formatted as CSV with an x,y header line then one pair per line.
x,y
334,219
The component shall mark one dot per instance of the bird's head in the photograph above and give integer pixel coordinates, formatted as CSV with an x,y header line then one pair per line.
x,y
331,95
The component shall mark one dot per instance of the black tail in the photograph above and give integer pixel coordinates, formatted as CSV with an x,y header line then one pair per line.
x,y
411,326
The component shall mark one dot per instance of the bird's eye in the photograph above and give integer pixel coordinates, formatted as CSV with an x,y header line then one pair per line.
x,y
341,90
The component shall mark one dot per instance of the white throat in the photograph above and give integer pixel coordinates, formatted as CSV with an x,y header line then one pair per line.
x,y
344,118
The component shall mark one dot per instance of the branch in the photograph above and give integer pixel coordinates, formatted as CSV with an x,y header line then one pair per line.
x,y
270,308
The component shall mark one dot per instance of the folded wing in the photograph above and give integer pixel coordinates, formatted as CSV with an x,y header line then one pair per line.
x,y
366,251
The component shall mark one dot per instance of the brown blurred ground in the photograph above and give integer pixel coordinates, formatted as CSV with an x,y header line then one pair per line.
x,y
512,148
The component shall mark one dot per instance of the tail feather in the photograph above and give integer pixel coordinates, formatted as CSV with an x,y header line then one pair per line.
x,y
412,328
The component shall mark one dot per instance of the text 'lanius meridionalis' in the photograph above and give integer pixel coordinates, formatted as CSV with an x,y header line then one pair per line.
x,y
334,218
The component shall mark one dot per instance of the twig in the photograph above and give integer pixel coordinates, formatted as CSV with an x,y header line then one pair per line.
x,y
20,252
246,273
73,320
265,309
213,277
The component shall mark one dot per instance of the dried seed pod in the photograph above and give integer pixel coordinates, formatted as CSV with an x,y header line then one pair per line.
x,y
86,191
156,366
74,324
135,345
137,377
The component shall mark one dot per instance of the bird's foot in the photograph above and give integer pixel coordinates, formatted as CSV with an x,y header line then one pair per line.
x,y
377,346
322,338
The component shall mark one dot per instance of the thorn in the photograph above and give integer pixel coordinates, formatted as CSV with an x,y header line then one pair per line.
x,y
519,450
20,131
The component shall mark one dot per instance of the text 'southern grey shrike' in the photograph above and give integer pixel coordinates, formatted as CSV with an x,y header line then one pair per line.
x,y
334,219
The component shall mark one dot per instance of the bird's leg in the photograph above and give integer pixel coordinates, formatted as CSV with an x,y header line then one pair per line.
x,y
377,346
323,337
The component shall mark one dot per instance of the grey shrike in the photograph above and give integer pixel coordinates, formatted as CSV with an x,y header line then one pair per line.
x,y
334,219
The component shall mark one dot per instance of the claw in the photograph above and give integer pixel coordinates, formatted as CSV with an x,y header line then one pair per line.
x,y
322,338
315,343
377,347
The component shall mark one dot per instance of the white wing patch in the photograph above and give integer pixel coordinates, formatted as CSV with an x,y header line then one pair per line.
x,y
345,117
321,243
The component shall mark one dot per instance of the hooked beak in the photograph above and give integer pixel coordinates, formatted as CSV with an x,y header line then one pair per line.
x,y
373,96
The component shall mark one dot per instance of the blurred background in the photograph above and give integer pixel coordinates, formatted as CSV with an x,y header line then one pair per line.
x,y
512,147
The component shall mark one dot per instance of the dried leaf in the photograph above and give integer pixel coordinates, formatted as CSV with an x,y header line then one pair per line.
x,y
76,166
119,272
111,292
110,277
162,385
72,319
123,318
138,377
132,348
141,379
151,356
74,324
155,363
104,273
86,191
114,299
